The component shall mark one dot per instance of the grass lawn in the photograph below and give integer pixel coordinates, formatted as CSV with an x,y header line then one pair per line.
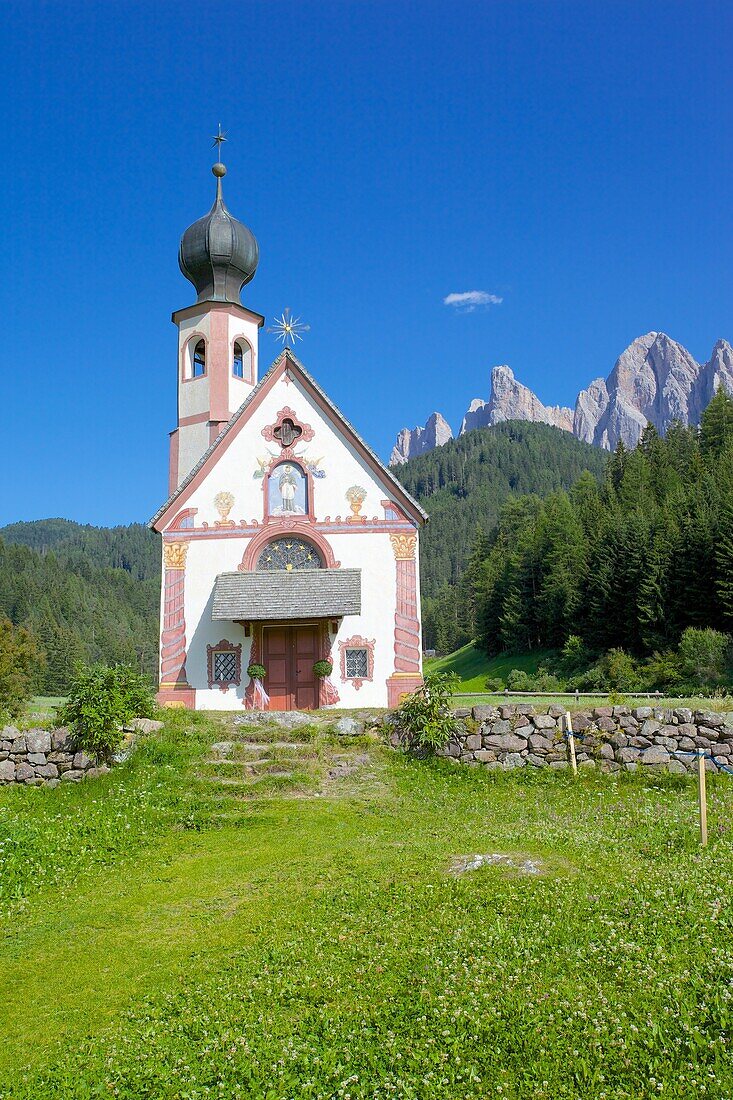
x,y
472,666
284,924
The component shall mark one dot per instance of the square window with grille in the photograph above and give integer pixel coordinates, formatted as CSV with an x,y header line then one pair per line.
x,y
225,667
357,664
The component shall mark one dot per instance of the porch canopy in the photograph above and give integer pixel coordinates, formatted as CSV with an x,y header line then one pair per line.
x,y
280,595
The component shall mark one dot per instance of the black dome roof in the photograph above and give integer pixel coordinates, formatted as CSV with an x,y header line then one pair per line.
x,y
218,254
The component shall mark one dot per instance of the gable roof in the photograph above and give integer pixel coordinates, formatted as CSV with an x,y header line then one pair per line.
x,y
287,361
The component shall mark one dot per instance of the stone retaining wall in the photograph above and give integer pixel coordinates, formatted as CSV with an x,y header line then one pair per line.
x,y
43,758
610,738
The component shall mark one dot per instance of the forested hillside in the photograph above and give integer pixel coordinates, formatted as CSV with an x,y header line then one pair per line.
x,y
629,563
87,593
463,484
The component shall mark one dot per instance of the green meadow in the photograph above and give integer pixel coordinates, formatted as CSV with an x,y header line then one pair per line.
x,y
283,922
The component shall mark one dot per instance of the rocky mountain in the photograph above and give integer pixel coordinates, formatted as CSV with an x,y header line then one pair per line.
x,y
655,380
409,444
510,400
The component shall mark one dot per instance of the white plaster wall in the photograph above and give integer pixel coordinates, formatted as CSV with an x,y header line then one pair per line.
x,y
193,440
365,548
236,466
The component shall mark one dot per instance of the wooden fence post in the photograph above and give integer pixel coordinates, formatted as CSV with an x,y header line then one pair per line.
x,y
702,799
571,742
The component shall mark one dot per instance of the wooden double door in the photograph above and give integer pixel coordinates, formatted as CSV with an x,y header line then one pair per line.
x,y
289,652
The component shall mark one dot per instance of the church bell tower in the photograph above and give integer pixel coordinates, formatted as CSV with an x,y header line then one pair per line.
x,y
217,336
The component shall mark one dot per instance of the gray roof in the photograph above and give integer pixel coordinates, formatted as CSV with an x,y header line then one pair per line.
x,y
277,594
386,473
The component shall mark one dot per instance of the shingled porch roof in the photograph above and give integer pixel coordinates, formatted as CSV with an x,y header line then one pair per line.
x,y
279,595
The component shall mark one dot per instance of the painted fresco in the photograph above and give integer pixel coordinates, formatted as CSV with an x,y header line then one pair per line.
x,y
287,491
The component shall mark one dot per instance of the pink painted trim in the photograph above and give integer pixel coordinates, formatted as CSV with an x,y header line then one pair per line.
x,y
224,647
274,530
197,418
306,432
173,461
218,369
398,686
406,624
357,642
185,359
327,691
252,365
178,522
231,308
246,530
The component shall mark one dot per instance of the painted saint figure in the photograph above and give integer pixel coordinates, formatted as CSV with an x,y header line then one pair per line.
x,y
287,491
288,488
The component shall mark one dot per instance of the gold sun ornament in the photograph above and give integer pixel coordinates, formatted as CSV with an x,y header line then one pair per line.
x,y
287,328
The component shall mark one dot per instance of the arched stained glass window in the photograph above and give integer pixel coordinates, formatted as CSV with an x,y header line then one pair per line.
x,y
198,362
290,553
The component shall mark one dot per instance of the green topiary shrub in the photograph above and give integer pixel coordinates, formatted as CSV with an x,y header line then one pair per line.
x,y
101,700
323,668
425,718
256,672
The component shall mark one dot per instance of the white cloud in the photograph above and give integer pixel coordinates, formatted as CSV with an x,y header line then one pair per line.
x,y
469,300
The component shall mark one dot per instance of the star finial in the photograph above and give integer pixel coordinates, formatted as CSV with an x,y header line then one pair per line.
x,y
219,139
287,328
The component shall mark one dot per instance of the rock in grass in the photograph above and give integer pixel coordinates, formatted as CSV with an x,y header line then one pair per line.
x,y
349,727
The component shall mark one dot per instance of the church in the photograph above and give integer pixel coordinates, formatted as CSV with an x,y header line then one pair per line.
x,y
290,573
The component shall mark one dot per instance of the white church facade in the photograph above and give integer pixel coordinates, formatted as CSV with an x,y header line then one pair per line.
x,y
286,542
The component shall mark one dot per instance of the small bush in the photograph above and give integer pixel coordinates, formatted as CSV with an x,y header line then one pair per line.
x,y
20,661
425,718
323,668
705,656
256,672
101,700
494,683
517,680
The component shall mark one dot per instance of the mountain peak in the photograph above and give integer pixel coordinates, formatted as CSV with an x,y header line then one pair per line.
x,y
655,380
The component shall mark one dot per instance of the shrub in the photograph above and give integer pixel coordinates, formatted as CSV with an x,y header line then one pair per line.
x,y
705,656
494,683
517,680
256,672
548,682
101,700
663,671
425,718
21,659
323,668
575,657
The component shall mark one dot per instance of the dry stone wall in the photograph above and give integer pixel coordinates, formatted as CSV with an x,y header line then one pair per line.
x,y
43,758
612,739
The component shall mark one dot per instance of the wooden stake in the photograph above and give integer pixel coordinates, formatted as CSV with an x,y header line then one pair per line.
x,y
571,742
702,799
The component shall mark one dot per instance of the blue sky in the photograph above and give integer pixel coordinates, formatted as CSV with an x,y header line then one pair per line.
x,y
573,159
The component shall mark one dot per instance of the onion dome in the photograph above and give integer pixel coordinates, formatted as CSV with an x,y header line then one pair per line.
x,y
218,254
